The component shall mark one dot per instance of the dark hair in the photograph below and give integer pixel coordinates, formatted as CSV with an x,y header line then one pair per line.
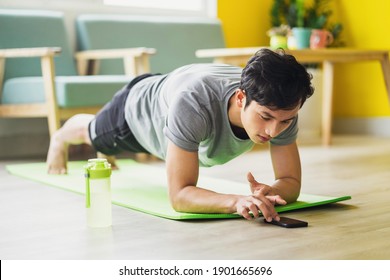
x,y
276,80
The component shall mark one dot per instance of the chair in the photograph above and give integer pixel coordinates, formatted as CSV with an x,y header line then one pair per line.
x,y
38,77
176,39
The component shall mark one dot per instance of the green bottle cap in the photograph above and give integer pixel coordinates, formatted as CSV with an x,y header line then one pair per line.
x,y
98,168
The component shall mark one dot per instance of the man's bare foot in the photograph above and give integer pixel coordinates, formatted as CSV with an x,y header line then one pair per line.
x,y
73,132
57,155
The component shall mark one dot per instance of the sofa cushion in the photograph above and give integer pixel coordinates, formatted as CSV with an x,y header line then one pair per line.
x,y
31,29
76,91
175,39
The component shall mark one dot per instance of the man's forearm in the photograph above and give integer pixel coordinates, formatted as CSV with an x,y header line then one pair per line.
x,y
288,188
198,200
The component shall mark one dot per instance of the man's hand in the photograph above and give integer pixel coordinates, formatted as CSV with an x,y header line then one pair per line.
x,y
262,199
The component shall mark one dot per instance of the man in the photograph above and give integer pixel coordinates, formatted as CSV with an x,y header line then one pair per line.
x,y
204,115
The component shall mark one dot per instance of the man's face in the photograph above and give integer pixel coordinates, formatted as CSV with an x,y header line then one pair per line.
x,y
262,123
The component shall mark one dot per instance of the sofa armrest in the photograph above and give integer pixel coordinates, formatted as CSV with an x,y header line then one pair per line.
x,y
45,53
48,74
135,60
29,52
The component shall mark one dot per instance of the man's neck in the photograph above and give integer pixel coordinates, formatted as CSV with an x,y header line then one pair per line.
x,y
234,114
239,132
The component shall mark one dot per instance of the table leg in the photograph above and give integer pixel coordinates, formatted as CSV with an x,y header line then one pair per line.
x,y
327,102
385,62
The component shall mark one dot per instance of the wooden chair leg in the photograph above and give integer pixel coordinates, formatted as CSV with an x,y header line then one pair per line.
x,y
143,157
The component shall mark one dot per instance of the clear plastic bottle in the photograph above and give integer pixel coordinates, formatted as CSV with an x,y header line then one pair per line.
x,y
98,193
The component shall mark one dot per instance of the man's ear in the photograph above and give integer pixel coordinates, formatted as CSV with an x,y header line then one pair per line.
x,y
240,98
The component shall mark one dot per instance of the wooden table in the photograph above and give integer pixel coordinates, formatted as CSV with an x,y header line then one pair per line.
x,y
327,57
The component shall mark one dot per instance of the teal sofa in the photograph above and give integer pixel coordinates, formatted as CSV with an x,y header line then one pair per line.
x,y
42,76
38,76
175,38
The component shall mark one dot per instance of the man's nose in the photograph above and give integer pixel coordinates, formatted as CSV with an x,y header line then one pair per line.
x,y
273,130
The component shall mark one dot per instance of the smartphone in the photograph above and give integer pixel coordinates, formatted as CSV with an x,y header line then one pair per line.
x,y
288,222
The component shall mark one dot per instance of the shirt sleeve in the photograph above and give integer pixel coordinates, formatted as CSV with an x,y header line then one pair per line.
x,y
186,126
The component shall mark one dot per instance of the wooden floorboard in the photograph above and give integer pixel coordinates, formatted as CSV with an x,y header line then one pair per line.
x,y
40,222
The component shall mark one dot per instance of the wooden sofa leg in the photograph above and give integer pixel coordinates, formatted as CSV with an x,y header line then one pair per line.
x,y
110,159
144,157
48,73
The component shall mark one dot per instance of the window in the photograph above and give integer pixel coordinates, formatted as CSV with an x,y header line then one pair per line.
x,y
195,7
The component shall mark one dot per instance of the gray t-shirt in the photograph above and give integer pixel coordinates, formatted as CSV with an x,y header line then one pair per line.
x,y
189,107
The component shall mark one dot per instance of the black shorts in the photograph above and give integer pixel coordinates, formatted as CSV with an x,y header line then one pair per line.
x,y
109,131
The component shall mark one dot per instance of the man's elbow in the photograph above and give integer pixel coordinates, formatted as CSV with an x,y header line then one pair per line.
x,y
177,202
293,197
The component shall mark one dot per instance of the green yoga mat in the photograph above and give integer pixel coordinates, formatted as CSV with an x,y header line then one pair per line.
x,y
143,187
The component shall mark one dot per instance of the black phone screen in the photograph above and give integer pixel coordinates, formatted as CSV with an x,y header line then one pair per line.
x,y
288,222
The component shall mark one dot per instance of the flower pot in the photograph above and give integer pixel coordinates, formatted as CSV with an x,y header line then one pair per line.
x,y
320,38
302,37
278,41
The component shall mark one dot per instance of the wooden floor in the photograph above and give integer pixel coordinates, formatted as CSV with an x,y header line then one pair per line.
x,y
40,222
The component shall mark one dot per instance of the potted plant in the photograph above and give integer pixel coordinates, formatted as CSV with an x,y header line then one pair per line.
x,y
301,18
278,36
313,15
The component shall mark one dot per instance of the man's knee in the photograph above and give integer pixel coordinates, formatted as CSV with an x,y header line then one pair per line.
x,y
75,130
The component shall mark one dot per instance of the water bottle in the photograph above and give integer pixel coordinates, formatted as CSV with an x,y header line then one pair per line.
x,y
98,193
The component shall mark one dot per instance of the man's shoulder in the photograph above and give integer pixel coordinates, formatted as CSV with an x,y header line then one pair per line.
x,y
200,74
203,69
